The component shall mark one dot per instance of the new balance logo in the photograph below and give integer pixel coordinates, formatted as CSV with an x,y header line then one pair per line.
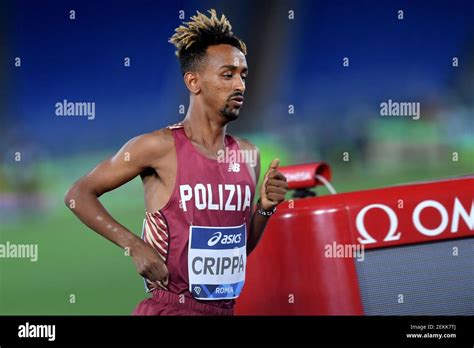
x,y
234,167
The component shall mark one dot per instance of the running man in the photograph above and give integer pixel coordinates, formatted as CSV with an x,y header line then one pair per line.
x,y
199,224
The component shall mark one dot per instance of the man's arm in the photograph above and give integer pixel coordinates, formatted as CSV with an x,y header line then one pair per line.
x,y
83,200
272,193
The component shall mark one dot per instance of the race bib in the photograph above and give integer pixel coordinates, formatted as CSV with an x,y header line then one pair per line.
x,y
217,257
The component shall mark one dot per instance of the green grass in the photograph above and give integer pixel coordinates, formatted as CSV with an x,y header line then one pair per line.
x,y
72,260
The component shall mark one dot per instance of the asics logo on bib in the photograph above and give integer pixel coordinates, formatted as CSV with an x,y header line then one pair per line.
x,y
228,239
225,197
214,239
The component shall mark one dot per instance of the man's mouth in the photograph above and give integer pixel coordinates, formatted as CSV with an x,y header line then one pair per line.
x,y
237,100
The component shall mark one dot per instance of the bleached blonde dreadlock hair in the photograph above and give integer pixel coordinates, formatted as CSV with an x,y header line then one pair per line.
x,y
193,38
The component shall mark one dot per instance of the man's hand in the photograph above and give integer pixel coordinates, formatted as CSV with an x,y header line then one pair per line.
x,y
149,264
274,187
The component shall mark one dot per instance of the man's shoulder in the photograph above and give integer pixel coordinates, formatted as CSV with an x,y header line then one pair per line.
x,y
157,142
245,144
161,135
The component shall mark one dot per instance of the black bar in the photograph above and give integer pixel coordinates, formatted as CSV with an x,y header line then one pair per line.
x,y
160,331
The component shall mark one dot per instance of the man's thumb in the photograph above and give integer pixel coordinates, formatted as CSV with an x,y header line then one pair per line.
x,y
275,163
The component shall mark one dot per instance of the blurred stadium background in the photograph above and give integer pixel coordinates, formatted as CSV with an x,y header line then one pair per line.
x,y
291,62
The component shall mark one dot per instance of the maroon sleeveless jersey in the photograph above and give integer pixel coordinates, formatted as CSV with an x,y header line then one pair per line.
x,y
202,230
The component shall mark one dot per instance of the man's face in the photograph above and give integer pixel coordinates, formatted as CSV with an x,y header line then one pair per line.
x,y
222,80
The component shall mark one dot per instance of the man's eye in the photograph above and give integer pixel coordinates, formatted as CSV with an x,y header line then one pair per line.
x,y
227,76
244,77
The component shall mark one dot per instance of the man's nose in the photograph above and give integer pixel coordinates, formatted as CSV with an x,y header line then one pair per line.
x,y
240,85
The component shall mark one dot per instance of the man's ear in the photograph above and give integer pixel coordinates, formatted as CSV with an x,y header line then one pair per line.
x,y
192,82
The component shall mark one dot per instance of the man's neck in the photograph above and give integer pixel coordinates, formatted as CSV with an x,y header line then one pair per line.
x,y
203,129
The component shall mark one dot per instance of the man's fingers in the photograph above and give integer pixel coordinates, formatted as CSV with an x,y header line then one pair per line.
x,y
275,197
160,271
275,189
275,163
158,280
161,285
158,275
276,182
275,174
151,277
163,275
